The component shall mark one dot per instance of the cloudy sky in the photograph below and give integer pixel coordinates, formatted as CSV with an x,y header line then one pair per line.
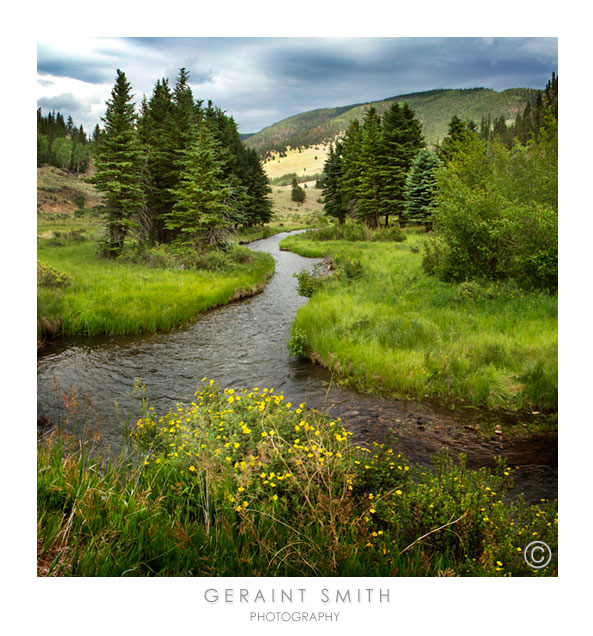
x,y
260,81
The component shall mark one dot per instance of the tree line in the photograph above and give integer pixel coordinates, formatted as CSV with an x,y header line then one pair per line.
x,y
176,172
60,143
366,170
490,193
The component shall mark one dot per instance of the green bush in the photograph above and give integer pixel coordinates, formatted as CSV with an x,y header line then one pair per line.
x,y
491,222
309,281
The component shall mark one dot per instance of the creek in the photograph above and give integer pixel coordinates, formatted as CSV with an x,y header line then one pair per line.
x,y
243,345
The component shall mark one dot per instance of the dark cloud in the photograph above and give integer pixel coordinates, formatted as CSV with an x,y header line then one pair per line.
x,y
263,80
52,62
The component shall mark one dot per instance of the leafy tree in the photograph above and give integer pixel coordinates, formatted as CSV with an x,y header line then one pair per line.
x,y
63,152
119,160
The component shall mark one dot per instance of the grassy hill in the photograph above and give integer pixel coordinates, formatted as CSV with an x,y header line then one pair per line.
x,y
434,108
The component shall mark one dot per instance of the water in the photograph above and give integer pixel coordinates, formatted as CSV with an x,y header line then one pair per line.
x,y
243,345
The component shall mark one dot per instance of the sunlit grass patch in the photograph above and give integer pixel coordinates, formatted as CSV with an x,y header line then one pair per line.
x,y
395,329
122,297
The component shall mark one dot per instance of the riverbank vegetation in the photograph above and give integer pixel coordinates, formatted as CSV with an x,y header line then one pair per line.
x,y
466,312
247,484
382,324
157,290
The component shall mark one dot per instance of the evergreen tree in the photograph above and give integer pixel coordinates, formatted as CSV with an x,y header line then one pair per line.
x,y
258,205
369,186
297,193
420,190
157,133
333,195
459,134
350,180
401,138
200,214
119,160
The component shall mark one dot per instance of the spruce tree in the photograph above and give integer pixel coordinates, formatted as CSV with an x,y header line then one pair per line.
x,y
118,167
401,138
200,215
420,190
333,195
158,135
297,193
369,187
350,180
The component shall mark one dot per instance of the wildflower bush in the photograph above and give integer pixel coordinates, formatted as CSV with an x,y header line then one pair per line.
x,y
243,483
49,276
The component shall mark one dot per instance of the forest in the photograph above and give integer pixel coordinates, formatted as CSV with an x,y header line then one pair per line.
x,y
489,193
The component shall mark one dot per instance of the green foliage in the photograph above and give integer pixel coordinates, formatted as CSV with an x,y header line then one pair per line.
x,y
118,156
223,484
355,231
297,344
491,221
297,193
396,330
420,189
309,281
200,210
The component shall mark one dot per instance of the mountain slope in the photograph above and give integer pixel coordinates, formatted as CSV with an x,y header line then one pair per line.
x,y
434,108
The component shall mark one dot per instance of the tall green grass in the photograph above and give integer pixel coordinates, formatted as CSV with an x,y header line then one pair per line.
x,y
247,484
396,330
119,297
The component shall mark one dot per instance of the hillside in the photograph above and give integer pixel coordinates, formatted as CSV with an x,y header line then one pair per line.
x,y
61,192
434,108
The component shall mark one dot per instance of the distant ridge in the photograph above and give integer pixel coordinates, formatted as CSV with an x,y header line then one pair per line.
x,y
435,108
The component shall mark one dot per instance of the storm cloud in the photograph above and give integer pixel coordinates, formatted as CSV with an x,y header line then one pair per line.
x,y
260,81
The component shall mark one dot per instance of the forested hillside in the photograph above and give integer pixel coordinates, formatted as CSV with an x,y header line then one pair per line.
x,y
434,109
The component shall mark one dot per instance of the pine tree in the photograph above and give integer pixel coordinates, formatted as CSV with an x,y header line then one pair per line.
x,y
297,193
350,180
401,138
420,190
459,134
118,165
158,135
333,195
258,205
369,187
200,214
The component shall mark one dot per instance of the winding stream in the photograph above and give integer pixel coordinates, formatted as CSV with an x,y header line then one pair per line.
x,y
244,345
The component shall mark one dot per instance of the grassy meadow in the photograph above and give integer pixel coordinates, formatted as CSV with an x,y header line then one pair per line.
x,y
384,326
307,161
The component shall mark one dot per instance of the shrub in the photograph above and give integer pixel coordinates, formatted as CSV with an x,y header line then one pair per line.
x,y
309,281
51,277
